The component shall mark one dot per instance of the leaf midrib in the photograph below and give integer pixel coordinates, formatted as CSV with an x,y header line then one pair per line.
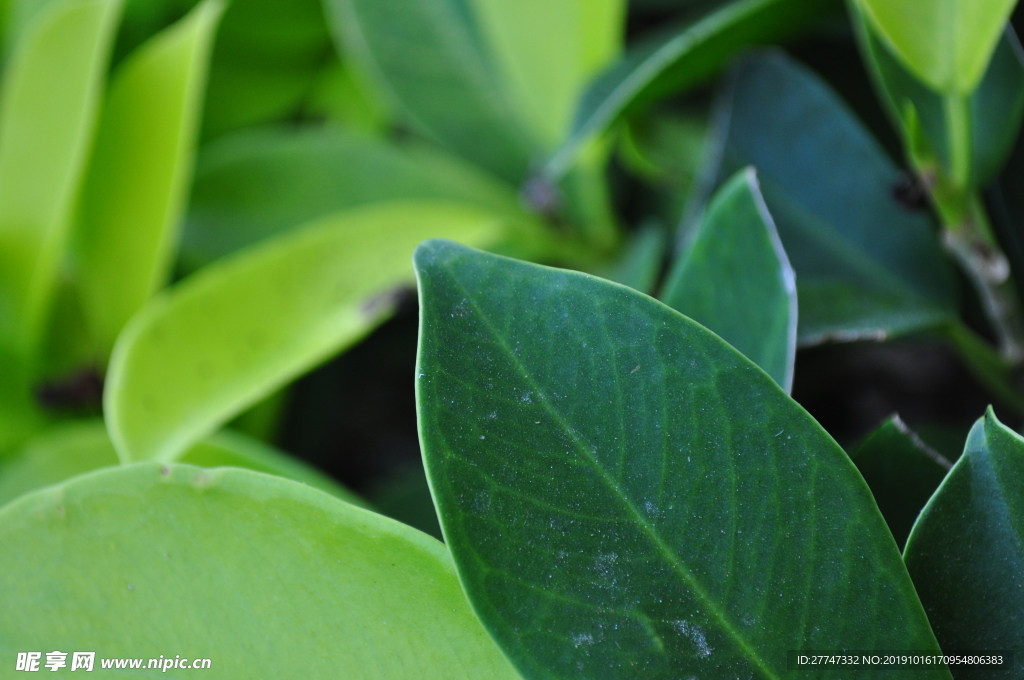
x,y
669,556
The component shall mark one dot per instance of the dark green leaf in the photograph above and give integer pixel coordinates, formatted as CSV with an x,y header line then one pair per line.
x,y
867,266
667,64
430,56
268,56
996,107
639,264
626,496
265,577
966,551
735,279
902,471
258,183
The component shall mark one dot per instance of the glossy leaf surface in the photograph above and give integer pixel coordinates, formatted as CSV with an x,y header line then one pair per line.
x,y
237,330
612,480
51,91
867,266
258,183
138,180
734,279
902,471
945,43
427,55
263,576
665,65
996,107
74,448
966,551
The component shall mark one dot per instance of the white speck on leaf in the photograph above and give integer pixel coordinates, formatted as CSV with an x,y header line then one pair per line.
x,y
695,634
581,639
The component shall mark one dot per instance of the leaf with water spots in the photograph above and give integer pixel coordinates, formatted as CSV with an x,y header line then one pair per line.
x,y
626,496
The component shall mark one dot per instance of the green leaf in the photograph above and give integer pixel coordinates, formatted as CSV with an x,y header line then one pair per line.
x,y
945,43
639,264
996,106
902,471
48,105
735,279
263,576
625,495
548,50
431,58
232,449
257,183
59,453
665,65
237,330
966,551
139,175
267,59
73,448
867,266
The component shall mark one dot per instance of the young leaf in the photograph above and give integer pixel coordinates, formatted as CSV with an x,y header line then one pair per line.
x,y
902,471
867,266
138,179
257,183
966,551
624,495
431,57
237,330
263,576
945,43
668,64
996,106
48,104
74,448
735,279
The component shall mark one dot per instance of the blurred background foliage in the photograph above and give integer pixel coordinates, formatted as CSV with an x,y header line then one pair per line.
x,y
199,146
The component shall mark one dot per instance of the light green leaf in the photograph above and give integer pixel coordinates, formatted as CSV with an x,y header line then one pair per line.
x,y
665,65
625,495
263,576
232,449
735,279
547,51
139,175
945,43
48,106
966,551
59,453
257,183
867,266
73,448
431,58
902,471
235,331
996,107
